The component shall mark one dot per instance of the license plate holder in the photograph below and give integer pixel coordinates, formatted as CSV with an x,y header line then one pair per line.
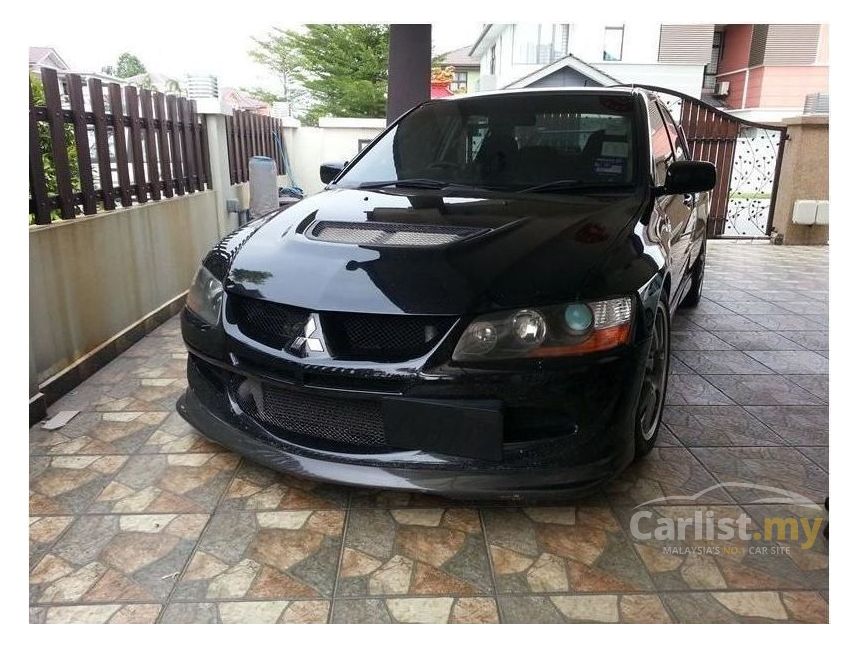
x,y
457,427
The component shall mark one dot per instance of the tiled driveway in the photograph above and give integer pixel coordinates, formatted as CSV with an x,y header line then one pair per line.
x,y
135,517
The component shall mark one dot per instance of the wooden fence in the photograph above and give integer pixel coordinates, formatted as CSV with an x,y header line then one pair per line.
x,y
129,147
250,134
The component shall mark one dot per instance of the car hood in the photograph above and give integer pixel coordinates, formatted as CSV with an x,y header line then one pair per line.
x,y
523,251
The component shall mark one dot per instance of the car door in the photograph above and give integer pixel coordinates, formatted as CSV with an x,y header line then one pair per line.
x,y
692,203
673,213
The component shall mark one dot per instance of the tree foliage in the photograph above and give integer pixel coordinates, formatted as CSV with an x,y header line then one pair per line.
x,y
343,68
128,65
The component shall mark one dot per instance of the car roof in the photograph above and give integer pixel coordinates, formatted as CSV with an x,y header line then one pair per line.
x,y
615,89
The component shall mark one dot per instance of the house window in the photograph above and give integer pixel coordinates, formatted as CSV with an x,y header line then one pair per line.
x,y
710,79
539,44
460,82
613,43
492,60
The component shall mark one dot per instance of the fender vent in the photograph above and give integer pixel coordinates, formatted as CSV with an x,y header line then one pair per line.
x,y
390,234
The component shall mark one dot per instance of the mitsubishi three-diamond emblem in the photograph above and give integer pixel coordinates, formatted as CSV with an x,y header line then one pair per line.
x,y
310,340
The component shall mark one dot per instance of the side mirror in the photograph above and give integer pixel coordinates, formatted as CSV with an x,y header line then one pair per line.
x,y
689,177
330,170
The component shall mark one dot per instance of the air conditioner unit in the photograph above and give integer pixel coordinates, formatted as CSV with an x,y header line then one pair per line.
x,y
722,89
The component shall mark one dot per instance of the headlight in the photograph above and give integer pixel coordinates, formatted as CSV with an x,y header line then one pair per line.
x,y
204,296
560,330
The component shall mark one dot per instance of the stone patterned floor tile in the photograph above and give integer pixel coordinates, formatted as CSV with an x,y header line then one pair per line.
x,y
665,472
727,322
693,390
748,607
666,438
175,435
414,552
115,559
590,608
68,484
44,531
762,389
757,307
798,425
697,340
726,296
98,614
680,557
785,322
248,612
783,468
141,394
818,385
814,340
481,610
791,362
174,483
717,425
256,488
819,455
677,366
265,555
758,340
722,362
561,549
97,433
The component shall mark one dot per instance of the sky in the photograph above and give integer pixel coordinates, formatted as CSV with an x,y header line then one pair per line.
x,y
220,49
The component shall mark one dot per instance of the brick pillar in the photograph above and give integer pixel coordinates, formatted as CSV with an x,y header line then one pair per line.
x,y
804,175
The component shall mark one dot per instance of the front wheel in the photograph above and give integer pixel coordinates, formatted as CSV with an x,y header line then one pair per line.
x,y
652,397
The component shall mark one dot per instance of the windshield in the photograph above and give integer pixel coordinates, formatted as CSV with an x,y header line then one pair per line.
x,y
515,142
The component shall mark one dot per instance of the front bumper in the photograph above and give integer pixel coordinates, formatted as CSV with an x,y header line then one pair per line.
x,y
596,442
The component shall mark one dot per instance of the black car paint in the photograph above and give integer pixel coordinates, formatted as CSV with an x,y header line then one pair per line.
x,y
539,249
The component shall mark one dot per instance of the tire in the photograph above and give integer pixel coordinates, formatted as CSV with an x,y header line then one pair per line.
x,y
652,396
694,295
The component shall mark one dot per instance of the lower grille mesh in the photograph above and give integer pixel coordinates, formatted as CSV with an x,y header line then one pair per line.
x,y
294,414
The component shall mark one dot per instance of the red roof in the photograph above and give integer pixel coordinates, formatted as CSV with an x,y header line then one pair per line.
x,y
440,90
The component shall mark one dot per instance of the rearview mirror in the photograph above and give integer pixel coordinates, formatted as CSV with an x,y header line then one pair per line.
x,y
689,177
331,169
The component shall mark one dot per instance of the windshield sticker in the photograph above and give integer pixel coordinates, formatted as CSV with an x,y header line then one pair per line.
x,y
614,149
609,165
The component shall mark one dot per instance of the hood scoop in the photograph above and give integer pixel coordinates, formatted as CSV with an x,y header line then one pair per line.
x,y
390,233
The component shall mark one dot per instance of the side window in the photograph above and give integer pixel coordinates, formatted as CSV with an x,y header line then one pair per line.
x,y
661,145
679,147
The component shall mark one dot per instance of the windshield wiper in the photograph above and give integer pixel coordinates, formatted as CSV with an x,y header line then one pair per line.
x,y
406,183
567,184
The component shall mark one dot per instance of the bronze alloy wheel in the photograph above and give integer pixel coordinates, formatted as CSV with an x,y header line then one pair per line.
x,y
653,393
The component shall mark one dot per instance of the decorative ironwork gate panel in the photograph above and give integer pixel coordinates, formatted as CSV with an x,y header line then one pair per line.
x,y
747,156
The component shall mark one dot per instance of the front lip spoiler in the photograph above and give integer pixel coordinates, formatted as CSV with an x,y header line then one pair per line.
x,y
549,483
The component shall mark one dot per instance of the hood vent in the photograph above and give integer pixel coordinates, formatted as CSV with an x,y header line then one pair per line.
x,y
390,233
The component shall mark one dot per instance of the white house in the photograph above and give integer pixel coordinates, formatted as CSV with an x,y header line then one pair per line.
x,y
579,54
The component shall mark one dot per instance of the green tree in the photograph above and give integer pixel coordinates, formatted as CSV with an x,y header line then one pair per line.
x,y
275,54
344,68
128,65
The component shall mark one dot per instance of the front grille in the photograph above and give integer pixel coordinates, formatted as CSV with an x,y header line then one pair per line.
x,y
383,337
297,415
272,324
355,336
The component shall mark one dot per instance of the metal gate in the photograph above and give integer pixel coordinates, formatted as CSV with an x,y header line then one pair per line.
x,y
747,155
